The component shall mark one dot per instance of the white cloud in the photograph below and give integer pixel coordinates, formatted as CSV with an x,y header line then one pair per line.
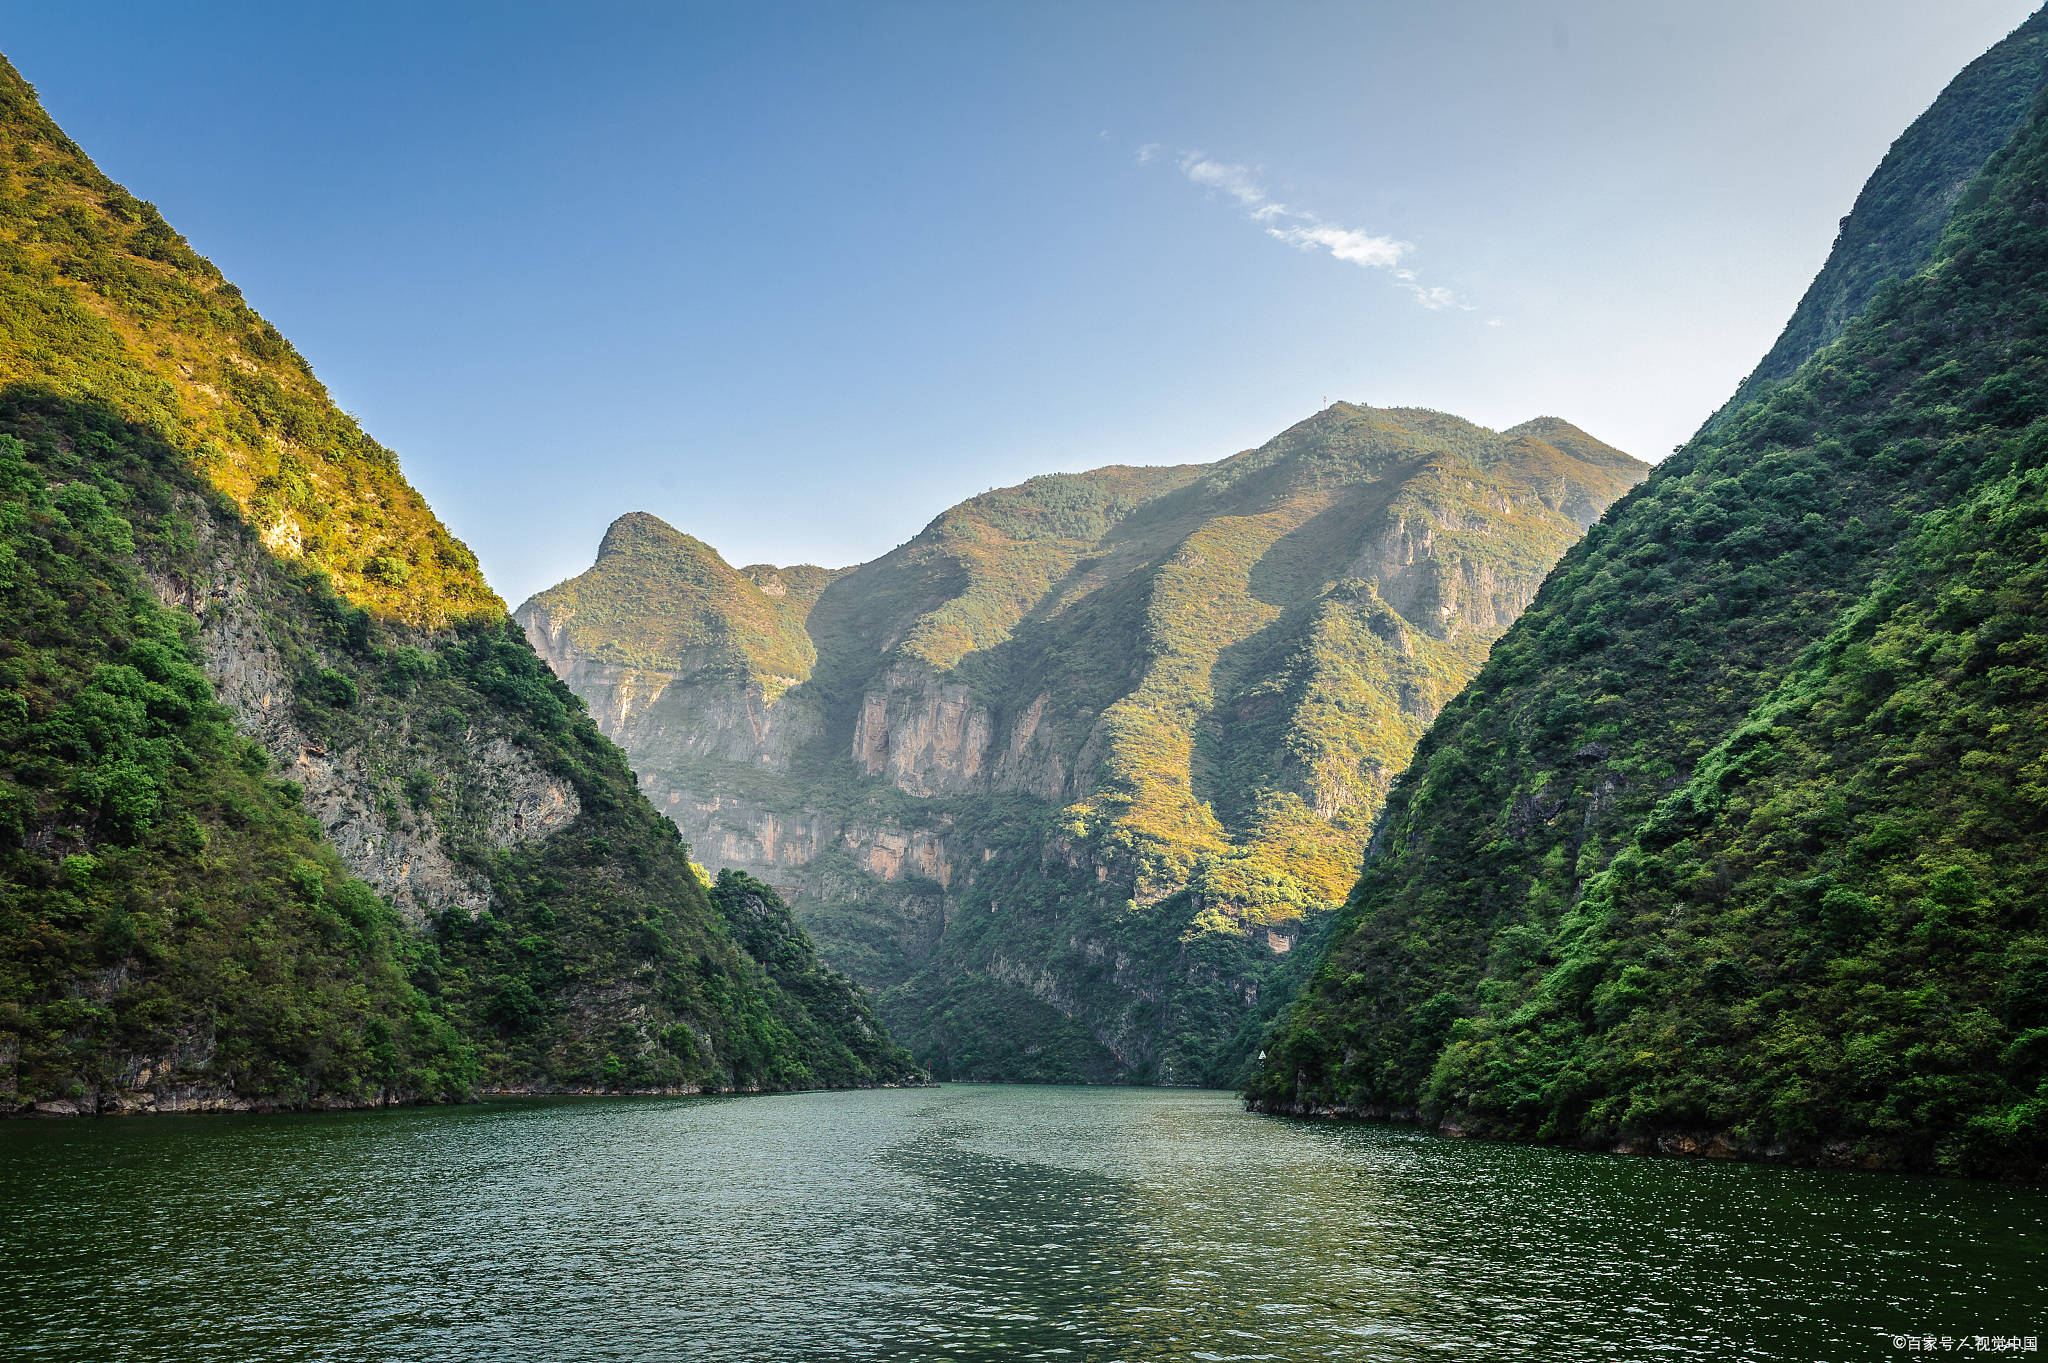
x,y
1305,231
1347,244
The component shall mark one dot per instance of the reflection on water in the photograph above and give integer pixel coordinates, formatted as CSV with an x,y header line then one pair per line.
x,y
963,1222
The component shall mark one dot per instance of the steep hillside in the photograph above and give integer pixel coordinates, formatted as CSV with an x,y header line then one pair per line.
x,y
289,811
1733,844
1075,769
1898,218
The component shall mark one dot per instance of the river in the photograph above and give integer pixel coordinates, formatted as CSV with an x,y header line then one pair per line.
x,y
967,1221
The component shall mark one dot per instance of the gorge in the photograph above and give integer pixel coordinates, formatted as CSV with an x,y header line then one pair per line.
x,y
1424,884
1685,798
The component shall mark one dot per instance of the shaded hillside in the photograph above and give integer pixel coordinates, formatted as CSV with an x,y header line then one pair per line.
x,y
289,811
1077,767
1897,220
1734,841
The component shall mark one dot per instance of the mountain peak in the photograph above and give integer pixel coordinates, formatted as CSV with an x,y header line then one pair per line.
x,y
1212,672
639,532
1896,222
1546,427
1571,440
662,599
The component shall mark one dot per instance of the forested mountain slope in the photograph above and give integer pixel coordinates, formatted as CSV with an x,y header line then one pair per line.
x,y
1069,774
289,811
1735,841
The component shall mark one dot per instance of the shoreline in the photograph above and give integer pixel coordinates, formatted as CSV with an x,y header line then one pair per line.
x,y
1837,1155
202,1100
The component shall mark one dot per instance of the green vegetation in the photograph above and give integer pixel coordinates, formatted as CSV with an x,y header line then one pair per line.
x,y
1075,767
164,903
179,500
1736,830
822,1011
100,297
612,906
1833,930
745,624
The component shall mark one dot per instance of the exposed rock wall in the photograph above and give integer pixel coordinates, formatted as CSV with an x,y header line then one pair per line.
x,y
931,737
1031,760
934,737
1420,569
725,830
499,795
691,711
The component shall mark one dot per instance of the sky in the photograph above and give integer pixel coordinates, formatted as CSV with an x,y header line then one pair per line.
x,y
795,278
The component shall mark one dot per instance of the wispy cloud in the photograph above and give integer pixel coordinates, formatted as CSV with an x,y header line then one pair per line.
x,y
1432,296
1348,244
1306,231
1236,181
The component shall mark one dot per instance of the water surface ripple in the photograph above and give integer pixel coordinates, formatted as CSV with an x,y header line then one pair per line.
x,y
963,1222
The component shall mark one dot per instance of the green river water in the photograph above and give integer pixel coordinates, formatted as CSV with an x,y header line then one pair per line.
x,y
965,1222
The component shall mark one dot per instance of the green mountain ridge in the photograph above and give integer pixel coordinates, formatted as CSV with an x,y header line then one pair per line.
x,y
1898,217
290,813
1730,846
1076,769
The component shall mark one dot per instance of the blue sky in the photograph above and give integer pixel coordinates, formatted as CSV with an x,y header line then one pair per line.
x,y
796,278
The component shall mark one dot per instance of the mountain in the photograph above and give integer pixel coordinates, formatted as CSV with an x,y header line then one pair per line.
x,y
1072,776
290,813
1733,845
1897,220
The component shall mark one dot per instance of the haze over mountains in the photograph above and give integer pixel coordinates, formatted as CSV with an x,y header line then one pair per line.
x,y
1069,775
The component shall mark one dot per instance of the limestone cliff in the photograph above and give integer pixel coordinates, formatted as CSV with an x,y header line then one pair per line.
x,y
495,794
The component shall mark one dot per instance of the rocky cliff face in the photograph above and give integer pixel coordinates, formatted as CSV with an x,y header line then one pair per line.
x,y
675,714
496,795
615,694
928,736
1444,594
1074,771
